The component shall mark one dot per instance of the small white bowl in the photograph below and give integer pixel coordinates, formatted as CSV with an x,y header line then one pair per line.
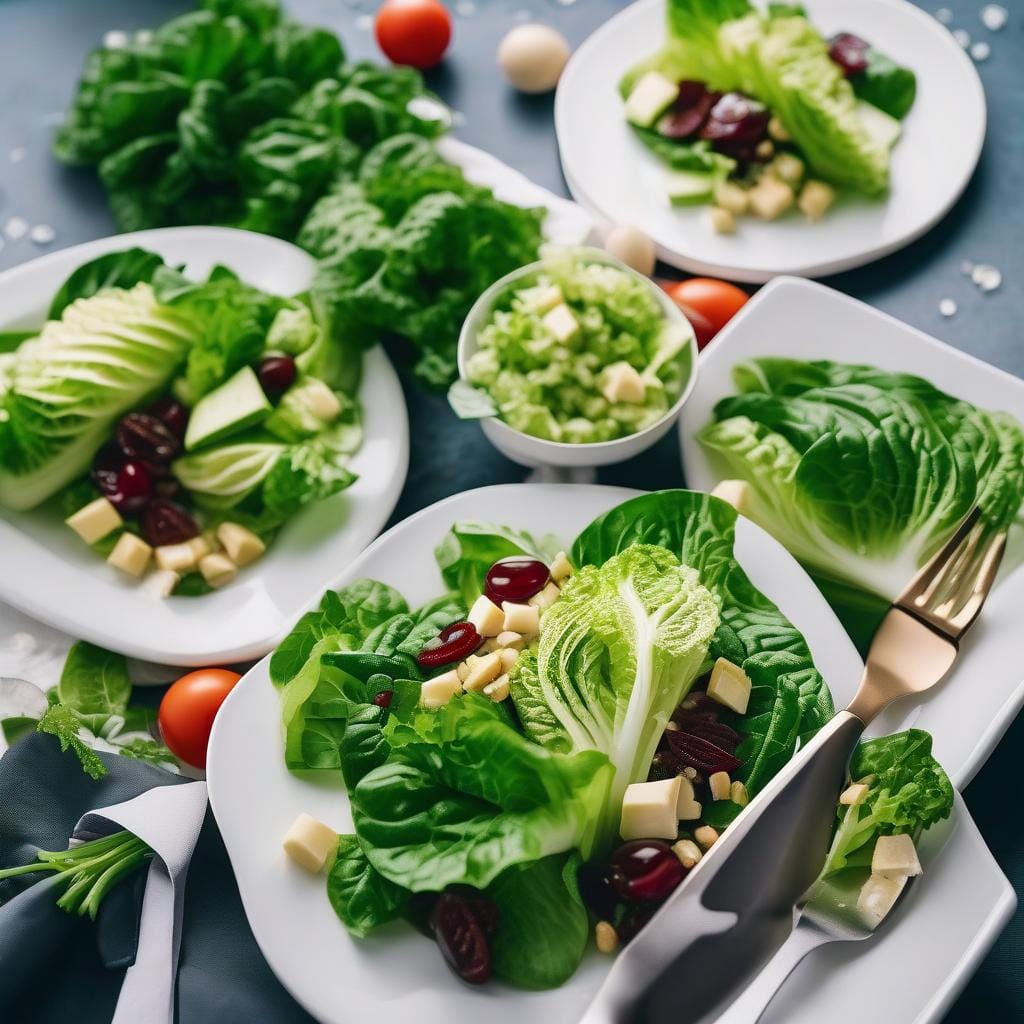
x,y
536,451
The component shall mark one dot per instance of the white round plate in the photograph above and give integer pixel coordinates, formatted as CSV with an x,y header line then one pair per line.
x,y
610,172
396,976
49,574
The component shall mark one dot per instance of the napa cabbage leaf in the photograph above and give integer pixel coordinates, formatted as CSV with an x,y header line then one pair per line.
x,y
860,472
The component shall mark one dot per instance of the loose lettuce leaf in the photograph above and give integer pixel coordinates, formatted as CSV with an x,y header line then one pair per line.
x,y
361,897
113,270
473,799
94,681
886,85
618,651
908,792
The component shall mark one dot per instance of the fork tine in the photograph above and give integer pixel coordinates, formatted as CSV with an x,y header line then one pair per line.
x,y
951,570
982,584
920,584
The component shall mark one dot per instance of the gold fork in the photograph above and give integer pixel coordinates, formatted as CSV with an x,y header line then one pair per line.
x,y
739,904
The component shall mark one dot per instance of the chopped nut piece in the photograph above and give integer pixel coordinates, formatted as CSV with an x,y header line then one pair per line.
x,y
649,810
687,808
732,197
179,558
770,198
561,568
546,598
310,843
95,520
854,794
521,618
498,690
241,544
895,857
688,852
738,794
729,686
777,130
690,773
606,937
788,168
706,836
720,784
462,670
200,547
815,199
438,691
507,640
486,616
218,570
722,221
765,149
484,671
131,554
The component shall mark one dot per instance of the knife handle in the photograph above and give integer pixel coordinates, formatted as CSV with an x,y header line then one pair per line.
x,y
740,897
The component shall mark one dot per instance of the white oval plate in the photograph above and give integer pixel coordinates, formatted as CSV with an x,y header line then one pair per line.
x,y
972,708
610,172
51,575
396,976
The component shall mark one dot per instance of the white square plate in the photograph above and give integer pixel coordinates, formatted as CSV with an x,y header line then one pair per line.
x,y
969,712
397,976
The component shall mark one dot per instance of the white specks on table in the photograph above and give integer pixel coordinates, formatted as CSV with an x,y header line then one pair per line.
x,y
15,228
116,39
944,15
987,277
962,37
980,51
947,308
42,234
994,17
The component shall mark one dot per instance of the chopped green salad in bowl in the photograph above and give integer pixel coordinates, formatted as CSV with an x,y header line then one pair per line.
x,y
575,360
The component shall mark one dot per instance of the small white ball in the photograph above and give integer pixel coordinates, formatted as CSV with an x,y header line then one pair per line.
x,y
632,247
533,57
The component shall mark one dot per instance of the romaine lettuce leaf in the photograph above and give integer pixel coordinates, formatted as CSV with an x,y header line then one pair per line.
x,y
361,897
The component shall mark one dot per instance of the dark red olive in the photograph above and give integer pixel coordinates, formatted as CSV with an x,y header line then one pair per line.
x,y
172,414
689,112
735,124
633,921
106,464
142,436
516,579
697,752
645,870
383,699
165,522
453,643
276,374
461,938
598,890
134,487
850,52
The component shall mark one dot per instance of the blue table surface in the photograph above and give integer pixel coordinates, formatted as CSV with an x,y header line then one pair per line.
x,y
44,42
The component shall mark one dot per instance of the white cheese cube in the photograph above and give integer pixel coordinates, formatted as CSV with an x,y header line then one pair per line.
x,y
895,857
720,784
486,616
241,544
738,794
546,598
722,221
877,897
322,401
160,583
310,843
541,297
131,554
788,168
735,492
730,686
649,810
650,98
622,383
706,836
770,198
854,794
510,641
439,690
179,558
218,570
485,671
200,547
462,670
521,618
95,520
732,197
561,568
561,323
815,199
687,807
508,656
688,852
498,690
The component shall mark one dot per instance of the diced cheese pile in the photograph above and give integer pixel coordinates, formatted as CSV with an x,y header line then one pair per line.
x,y
893,862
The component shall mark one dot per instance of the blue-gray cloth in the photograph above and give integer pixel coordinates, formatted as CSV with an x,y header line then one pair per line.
x,y
45,43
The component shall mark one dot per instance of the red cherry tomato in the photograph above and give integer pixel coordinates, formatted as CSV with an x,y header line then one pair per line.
x,y
414,32
708,304
188,710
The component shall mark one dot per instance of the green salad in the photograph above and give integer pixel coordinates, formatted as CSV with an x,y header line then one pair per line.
x,y
176,424
861,473
754,112
542,752
580,351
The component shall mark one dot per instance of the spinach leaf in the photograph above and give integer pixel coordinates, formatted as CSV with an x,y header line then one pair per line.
x,y
886,85
720,814
361,897
364,745
94,681
469,549
123,269
542,924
